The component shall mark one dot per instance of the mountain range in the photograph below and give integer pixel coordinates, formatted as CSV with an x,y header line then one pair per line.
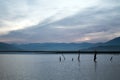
x,y
113,44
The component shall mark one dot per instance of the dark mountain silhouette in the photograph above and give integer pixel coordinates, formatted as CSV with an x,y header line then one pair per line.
x,y
55,46
115,41
113,44
5,46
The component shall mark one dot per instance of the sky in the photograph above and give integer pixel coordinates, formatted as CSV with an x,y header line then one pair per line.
x,y
40,21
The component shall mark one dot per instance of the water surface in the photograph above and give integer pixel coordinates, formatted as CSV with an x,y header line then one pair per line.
x,y
51,67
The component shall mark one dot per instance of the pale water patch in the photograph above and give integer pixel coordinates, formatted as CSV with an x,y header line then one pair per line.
x,y
50,67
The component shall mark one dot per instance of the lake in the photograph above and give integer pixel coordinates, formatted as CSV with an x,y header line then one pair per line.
x,y
55,67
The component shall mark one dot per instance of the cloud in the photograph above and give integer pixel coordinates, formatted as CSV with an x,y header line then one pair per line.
x,y
89,24
21,14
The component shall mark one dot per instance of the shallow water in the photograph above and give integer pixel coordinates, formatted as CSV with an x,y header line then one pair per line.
x,y
50,67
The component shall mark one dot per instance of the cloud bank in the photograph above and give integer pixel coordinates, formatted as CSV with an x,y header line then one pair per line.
x,y
28,21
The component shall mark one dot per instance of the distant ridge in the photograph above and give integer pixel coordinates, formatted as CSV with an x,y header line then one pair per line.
x,y
115,41
5,46
112,45
55,46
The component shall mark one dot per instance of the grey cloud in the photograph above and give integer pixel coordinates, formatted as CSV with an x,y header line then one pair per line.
x,y
98,20
12,9
3,9
89,16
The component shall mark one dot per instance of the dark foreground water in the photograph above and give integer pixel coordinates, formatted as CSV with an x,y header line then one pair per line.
x,y
50,67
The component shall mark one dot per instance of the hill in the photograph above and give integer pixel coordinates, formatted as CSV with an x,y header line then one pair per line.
x,y
55,46
112,45
5,46
115,41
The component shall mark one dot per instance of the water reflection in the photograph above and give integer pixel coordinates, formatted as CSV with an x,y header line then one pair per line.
x,y
95,66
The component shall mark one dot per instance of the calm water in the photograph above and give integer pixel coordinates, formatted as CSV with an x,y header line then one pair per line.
x,y
49,67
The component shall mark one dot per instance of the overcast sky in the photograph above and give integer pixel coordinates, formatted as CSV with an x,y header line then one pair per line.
x,y
37,21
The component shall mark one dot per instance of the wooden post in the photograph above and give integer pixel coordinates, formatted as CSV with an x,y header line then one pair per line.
x,y
95,56
111,58
60,59
72,59
63,56
79,56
